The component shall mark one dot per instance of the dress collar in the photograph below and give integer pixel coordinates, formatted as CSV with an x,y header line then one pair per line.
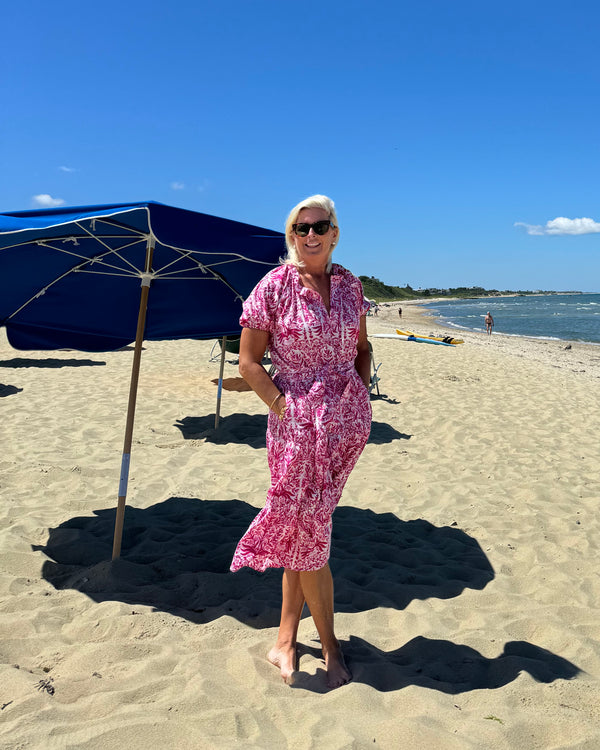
x,y
335,273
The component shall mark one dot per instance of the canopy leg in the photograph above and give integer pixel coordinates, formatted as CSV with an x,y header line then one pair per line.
x,y
374,381
133,386
220,388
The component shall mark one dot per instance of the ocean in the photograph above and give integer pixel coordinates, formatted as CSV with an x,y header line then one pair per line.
x,y
569,317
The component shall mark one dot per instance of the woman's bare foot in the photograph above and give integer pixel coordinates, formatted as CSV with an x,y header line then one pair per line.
x,y
284,657
337,672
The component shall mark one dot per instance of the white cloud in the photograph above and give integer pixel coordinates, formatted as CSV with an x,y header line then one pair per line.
x,y
562,225
43,200
67,169
177,186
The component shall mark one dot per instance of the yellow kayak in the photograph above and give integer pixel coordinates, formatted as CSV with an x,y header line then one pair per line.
x,y
444,339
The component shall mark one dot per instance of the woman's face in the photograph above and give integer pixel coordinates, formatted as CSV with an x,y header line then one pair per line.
x,y
314,249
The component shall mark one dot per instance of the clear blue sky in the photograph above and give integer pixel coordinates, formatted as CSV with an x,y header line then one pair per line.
x,y
451,134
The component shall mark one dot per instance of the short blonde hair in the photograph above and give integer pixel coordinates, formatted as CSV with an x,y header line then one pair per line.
x,y
314,201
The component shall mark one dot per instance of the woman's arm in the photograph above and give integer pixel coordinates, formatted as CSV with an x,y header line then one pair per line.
x,y
363,356
252,350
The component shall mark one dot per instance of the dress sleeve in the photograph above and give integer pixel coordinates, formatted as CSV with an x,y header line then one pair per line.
x,y
363,303
257,312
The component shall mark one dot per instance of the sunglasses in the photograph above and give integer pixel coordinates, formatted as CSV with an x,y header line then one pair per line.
x,y
319,227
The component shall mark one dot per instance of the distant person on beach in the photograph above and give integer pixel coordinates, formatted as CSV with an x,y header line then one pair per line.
x,y
310,314
399,312
376,310
489,323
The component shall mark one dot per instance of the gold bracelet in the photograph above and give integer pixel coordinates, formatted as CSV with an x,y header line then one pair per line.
x,y
273,401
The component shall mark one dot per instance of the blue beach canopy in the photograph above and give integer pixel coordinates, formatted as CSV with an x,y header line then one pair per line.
x,y
96,278
71,277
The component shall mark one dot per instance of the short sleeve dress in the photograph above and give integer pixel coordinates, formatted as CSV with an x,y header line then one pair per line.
x,y
312,451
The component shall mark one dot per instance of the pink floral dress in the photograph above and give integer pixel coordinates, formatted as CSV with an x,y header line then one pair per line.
x,y
312,451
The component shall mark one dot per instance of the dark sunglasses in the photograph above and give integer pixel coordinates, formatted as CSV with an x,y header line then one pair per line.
x,y
319,227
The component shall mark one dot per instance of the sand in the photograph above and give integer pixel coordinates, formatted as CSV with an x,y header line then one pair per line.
x,y
465,555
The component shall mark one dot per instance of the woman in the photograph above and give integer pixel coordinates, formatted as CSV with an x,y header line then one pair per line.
x,y
310,313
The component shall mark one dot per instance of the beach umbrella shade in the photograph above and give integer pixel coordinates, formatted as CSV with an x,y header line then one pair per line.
x,y
97,278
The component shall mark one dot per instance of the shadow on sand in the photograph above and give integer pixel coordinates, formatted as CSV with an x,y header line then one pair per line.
x,y
176,555
49,362
250,429
451,668
9,390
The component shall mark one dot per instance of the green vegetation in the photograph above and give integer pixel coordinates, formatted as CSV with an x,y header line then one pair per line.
x,y
375,289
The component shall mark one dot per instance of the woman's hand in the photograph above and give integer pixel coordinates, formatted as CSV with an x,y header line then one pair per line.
x,y
279,407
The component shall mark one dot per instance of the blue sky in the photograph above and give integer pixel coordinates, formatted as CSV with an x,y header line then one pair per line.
x,y
459,140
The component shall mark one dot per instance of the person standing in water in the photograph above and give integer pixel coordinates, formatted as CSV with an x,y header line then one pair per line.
x,y
489,323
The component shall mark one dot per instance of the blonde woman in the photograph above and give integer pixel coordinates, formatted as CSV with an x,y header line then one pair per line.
x,y
311,315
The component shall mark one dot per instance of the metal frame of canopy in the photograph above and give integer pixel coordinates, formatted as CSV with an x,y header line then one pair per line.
x,y
113,243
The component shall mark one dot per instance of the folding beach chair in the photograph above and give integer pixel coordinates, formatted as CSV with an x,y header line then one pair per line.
x,y
232,346
229,344
374,381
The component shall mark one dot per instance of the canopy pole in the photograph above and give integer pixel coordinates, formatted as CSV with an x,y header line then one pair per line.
x,y
133,386
220,388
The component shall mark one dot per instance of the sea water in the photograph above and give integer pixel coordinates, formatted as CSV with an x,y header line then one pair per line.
x,y
570,317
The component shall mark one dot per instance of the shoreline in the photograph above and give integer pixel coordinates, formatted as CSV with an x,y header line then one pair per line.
x,y
399,303
582,358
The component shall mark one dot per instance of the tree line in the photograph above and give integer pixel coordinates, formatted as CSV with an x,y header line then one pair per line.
x,y
375,289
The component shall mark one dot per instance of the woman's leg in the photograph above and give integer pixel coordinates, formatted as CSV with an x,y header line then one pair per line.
x,y
283,653
317,588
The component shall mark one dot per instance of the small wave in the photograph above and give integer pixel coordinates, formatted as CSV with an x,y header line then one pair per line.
x,y
531,336
452,324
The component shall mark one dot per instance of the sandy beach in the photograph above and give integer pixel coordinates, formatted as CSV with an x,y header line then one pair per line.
x,y
465,555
